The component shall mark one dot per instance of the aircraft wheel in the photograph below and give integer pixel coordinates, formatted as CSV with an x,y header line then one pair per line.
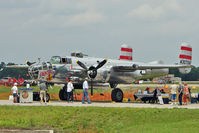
x,y
62,95
47,97
117,95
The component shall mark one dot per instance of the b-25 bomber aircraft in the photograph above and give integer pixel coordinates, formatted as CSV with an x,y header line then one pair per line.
x,y
113,71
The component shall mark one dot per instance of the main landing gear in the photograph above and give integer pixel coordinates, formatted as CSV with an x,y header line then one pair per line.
x,y
117,95
63,93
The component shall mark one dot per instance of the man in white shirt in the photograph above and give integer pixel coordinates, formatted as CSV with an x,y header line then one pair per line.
x,y
15,92
70,90
85,91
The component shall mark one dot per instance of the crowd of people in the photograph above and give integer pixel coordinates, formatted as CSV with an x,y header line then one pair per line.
x,y
183,91
43,91
70,89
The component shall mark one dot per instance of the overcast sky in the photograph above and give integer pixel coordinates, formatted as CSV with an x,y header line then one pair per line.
x,y
153,28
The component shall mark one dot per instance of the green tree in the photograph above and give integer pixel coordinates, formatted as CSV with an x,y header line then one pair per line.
x,y
13,72
192,76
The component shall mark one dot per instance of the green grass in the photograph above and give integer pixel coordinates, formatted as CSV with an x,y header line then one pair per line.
x,y
5,89
97,119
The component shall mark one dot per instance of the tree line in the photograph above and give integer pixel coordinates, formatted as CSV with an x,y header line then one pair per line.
x,y
13,72
192,76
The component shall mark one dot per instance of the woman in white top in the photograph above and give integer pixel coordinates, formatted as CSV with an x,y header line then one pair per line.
x,y
15,92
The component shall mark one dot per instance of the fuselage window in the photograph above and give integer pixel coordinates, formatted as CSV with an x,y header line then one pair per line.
x,y
69,61
44,66
66,61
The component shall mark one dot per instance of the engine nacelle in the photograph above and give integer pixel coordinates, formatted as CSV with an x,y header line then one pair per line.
x,y
184,70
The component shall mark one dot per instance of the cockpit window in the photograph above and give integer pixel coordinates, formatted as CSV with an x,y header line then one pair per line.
x,y
55,60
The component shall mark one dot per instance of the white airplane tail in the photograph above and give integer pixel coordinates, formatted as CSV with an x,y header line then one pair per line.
x,y
126,53
185,57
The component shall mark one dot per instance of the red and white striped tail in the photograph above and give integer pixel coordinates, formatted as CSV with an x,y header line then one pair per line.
x,y
185,54
185,57
126,53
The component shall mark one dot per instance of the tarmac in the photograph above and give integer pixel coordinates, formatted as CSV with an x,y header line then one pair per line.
x,y
101,104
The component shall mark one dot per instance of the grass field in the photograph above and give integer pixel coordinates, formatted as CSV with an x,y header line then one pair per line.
x,y
96,119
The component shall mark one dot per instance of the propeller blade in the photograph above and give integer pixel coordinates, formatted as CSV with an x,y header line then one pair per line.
x,y
29,63
81,64
101,64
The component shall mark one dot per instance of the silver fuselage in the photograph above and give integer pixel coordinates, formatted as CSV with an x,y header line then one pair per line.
x,y
60,71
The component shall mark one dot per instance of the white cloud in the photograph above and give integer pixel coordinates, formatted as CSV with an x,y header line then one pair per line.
x,y
147,11
155,10
85,18
64,13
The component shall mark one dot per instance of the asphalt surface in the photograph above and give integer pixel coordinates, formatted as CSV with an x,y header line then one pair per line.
x,y
101,104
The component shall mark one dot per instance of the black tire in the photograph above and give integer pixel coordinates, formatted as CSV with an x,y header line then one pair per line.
x,y
117,95
62,95
36,97
47,97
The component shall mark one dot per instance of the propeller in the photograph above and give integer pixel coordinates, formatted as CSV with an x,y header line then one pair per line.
x,y
81,64
92,70
30,63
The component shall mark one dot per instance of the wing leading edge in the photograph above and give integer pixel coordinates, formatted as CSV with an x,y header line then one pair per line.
x,y
135,67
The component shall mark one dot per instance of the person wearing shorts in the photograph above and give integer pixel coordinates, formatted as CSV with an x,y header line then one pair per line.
x,y
15,92
174,94
42,92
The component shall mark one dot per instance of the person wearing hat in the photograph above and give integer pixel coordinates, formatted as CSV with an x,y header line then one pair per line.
x,y
70,90
15,92
85,91
42,91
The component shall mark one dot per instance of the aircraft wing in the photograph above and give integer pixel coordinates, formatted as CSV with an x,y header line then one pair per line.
x,y
135,67
17,66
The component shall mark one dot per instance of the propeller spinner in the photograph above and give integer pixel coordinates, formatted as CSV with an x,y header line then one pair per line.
x,y
92,71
